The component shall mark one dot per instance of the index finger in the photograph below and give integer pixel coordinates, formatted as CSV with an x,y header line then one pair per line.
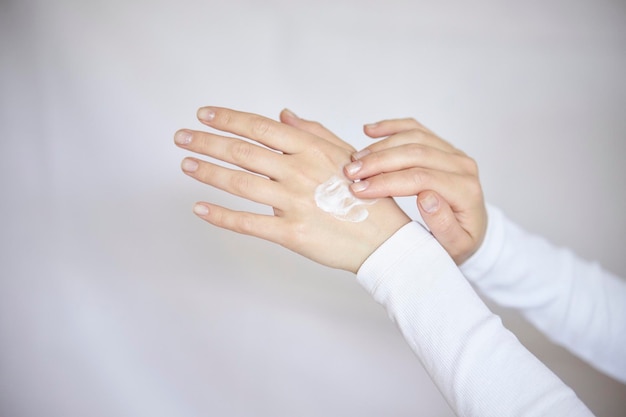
x,y
415,136
268,132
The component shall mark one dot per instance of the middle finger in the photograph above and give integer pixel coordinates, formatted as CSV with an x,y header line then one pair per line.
x,y
411,155
235,151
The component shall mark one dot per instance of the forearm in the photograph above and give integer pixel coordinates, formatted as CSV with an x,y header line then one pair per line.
x,y
575,303
479,366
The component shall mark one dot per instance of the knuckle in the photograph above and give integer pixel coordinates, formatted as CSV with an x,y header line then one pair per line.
x,y
417,151
321,155
208,171
244,224
317,128
240,182
373,160
316,124
419,177
225,118
474,190
445,226
261,127
471,166
413,121
217,218
241,151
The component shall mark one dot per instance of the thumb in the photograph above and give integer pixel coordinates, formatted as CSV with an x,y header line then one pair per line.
x,y
289,118
444,225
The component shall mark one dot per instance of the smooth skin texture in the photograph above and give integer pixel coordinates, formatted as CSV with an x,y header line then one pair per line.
x,y
281,166
413,161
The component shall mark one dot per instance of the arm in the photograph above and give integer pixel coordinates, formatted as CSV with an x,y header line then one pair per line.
x,y
479,366
575,303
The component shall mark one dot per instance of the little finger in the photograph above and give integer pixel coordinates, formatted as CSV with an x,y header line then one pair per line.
x,y
259,225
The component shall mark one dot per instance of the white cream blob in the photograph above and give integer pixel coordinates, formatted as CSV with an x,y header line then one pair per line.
x,y
334,197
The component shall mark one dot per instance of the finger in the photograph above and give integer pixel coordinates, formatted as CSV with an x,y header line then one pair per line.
x,y
259,225
234,151
268,132
392,126
444,225
453,187
316,128
407,156
408,137
239,183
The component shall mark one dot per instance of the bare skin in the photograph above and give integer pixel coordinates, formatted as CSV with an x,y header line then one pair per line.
x,y
282,169
413,161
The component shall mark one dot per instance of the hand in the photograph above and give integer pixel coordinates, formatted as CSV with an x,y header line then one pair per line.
x,y
283,174
412,160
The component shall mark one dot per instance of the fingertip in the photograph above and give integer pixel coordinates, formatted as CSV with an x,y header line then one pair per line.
x,y
359,186
189,165
429,202
352,169
201,209
183,137
289,118
370,128
441,220
289,114
205,114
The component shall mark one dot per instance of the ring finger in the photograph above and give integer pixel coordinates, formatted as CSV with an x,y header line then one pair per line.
x,y
240,183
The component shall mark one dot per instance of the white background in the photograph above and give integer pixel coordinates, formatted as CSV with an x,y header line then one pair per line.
x,y
115,300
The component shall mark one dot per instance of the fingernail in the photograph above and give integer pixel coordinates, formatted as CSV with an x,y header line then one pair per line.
x,y
359,186
201,210
291,114
205,114
183,137
353,167
371,126
430,203
361,154
189,165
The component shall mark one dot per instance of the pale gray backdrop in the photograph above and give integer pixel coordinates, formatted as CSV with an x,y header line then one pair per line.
x,y
115,300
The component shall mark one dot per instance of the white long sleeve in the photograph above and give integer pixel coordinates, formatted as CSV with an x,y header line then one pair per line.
x,y
478,365
575,303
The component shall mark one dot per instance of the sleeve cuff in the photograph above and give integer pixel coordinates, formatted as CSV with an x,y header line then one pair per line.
x,y
383,260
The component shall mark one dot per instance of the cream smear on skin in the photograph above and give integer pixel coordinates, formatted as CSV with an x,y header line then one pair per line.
x,y
334,197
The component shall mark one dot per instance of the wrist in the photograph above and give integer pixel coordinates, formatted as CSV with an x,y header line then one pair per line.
x,y
386,218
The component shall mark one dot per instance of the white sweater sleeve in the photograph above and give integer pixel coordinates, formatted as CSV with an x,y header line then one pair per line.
x,y
575,303
479,366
